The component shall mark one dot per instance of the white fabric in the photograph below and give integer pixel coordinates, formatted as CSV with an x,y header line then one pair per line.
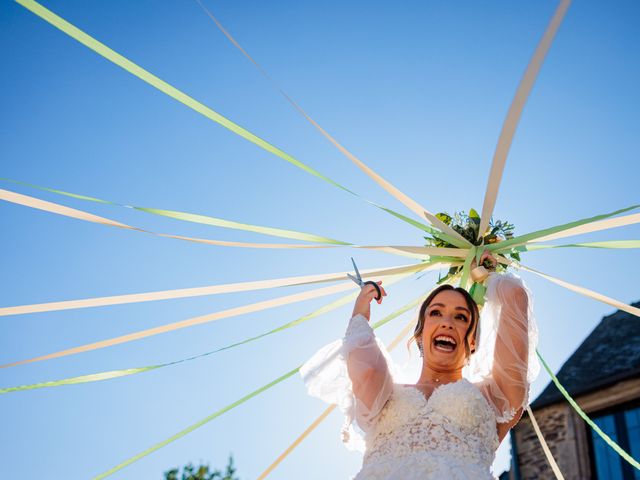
x,y
450,434
505,362
328,376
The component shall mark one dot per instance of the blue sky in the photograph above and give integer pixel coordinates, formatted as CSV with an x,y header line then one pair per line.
x,y
418,90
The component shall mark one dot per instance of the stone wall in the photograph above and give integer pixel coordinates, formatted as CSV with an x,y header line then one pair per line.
x,y
558,427
566,433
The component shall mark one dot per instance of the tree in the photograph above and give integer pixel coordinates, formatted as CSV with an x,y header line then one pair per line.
x,y
202,472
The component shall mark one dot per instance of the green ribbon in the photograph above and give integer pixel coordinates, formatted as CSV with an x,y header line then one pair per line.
x,y
444,259
207,220
216,414
196,425
499,246
94,377
464,278
111,374
433,231
185,99
196,218
479,251
584,416
615,244
478,292
108,375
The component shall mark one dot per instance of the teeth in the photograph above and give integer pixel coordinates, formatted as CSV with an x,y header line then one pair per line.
x,y
445,338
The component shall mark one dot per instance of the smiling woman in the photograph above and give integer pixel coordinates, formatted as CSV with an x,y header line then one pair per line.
x,y
451,421
466,313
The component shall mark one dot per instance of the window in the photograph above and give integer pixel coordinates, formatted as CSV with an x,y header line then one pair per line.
x,y
632,419
623,426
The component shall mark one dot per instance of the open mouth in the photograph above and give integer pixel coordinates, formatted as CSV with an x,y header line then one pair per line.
x,y
445,343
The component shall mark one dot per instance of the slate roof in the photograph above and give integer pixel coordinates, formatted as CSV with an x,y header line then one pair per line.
x,y
611,353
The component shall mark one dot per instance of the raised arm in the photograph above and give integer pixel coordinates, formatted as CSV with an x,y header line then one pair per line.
x,y
367,366
368,370
510,336
353,373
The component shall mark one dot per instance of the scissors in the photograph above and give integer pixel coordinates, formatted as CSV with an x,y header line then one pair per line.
x,y
358,280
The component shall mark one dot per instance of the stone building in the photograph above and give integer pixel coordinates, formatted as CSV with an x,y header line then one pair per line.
x,y
603,376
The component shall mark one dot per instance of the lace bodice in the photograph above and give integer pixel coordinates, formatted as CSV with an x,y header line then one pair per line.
x,y
455,422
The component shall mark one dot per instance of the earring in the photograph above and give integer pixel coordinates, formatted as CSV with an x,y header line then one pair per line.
x,y
421,348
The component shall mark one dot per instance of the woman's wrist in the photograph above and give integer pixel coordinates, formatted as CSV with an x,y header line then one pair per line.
x,y
364,313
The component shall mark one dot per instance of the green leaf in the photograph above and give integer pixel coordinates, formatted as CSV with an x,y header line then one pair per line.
x,y
444,217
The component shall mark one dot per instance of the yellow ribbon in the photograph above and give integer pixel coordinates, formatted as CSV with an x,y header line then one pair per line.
x,y
545,447
410,203
199,107
394,343
514,114
585,291
196,292
190,322
51,207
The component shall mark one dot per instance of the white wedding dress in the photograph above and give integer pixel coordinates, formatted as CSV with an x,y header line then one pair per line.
x,y
452,433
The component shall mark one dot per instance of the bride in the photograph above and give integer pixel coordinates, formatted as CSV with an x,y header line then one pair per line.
x,y
473,387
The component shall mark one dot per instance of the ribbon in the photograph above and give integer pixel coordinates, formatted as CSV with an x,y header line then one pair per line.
x,y
197,291
464,278
545,447
297,441
190,322
604,244
192,103
27,201
584,416
515,112
251,395
394,343
410,203
197,218
596,226
195,426
108,375
479,274
189,217
584,291
577,227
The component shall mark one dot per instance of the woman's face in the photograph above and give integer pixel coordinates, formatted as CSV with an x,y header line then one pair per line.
x,y
446,322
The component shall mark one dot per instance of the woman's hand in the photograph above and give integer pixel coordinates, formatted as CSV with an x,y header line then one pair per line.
x,y
490,264
363,302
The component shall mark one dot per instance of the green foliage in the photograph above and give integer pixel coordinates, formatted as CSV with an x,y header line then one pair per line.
x,y
202,472
468,225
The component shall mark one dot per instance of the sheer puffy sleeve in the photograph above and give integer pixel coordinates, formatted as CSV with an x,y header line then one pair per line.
x,y
354,373
505,363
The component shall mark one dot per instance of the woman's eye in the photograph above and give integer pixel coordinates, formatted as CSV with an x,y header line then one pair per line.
x,y
433,312
463,317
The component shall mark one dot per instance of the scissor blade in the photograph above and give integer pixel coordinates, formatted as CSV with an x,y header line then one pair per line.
x,y
355,267
359,282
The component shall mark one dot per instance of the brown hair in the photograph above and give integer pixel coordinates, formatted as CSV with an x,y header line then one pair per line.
x,y
473,308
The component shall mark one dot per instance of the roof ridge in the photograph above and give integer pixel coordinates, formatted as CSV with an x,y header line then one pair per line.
x,y
586,368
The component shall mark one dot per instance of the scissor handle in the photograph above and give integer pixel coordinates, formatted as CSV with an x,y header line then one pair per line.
x,y
379,292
